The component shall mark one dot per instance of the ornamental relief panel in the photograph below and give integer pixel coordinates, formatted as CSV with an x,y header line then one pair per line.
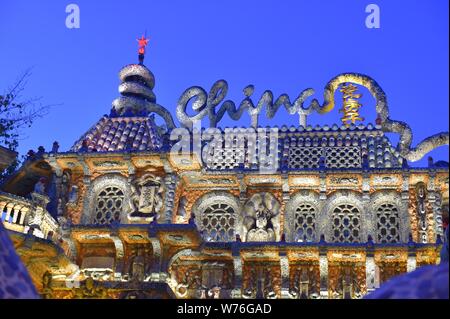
x,y
261,280
261,218
308,181
146,198
344,181
385,181
304,280
201,279
346,280
421,214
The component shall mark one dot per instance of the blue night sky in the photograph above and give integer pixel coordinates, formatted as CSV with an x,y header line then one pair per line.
x,y
284,46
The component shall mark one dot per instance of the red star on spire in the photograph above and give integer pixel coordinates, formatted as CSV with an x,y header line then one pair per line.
x,y
142,43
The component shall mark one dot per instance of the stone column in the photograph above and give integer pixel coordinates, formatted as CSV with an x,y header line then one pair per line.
x,y
242,188
371,282
411,261
118,244
285,271
16,211
85,214
9,208
323,185
237,263
156,247
2,207
23,214
323,264
405,226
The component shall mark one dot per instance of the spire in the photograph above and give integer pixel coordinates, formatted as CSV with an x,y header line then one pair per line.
x,y
136,89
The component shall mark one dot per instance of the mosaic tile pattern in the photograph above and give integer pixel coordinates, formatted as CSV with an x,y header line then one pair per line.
x,y
120,134
14,279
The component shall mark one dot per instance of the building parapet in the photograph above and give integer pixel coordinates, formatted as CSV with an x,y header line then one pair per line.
x,y
28,216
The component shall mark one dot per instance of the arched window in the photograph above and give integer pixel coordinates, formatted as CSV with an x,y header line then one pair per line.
x,y
388,224
108,205
218,222
346,224
304,223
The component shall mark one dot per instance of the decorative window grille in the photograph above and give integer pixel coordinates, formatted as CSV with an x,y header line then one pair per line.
x,y
335,157
108,205
343,157
388,224
225,158
346,224
304,223
218,223
304,157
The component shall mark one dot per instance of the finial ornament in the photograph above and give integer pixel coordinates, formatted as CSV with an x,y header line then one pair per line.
x,y
142,43
350,106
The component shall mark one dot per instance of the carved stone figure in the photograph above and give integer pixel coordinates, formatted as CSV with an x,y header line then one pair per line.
x,y
146,196
261,221
63,196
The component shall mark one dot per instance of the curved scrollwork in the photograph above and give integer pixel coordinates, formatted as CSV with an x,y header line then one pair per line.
x,y
387,124
205,105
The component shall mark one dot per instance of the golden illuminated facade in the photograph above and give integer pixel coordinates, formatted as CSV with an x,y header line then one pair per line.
x,y
134,210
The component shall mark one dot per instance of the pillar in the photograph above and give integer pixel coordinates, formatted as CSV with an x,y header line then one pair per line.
x,y
2,207
323,266
285,270
371,282
16,211
23,214
9,208
237,263
411,262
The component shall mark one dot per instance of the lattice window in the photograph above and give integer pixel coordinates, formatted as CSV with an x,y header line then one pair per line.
x,y
108,205
218,222
346,224
343,157
304,157
225,158
304,223
388,228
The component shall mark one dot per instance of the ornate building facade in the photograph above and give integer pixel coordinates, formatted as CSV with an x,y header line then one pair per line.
x,y
137,209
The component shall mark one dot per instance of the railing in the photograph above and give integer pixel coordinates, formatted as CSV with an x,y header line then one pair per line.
x,y
28,216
